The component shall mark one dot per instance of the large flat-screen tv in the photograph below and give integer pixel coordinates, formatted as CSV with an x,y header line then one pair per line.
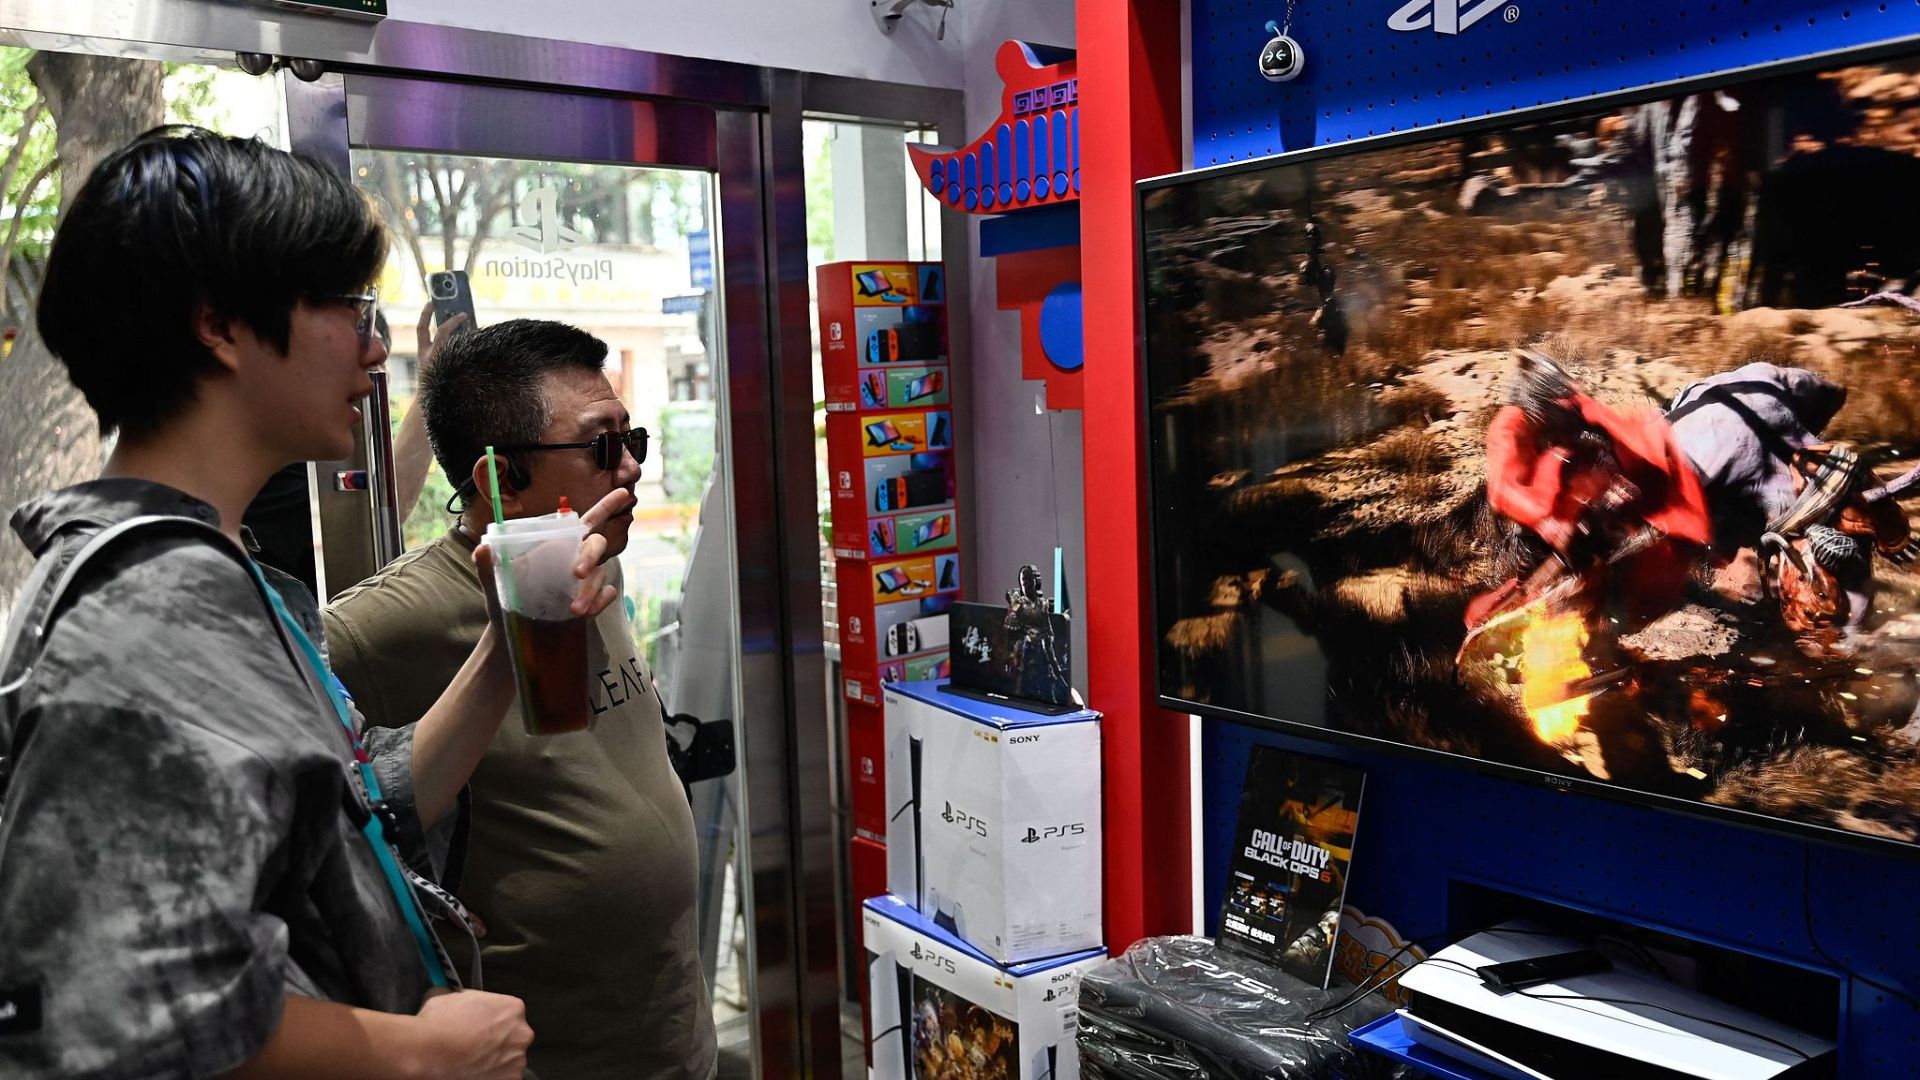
x,y
1576,444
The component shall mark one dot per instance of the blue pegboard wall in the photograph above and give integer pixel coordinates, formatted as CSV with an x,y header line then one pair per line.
x,y
1363,78
1426,825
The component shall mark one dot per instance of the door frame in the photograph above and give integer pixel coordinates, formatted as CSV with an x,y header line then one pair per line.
x,y
786,742
357,110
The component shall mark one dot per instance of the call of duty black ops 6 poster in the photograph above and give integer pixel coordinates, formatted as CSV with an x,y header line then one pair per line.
x,y
1584,445
1288,873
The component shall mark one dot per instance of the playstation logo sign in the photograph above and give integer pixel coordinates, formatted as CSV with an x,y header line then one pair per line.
x,y
537,223
1448,16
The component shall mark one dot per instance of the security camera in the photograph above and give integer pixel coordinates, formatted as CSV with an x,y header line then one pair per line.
x,y
307,70
888,13
254,63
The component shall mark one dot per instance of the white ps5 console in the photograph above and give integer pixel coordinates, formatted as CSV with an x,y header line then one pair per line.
x,y
905,871
994,829
1619,1023
889,990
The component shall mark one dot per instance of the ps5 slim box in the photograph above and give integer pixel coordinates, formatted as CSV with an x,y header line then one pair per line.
x,y
938,1007
993,828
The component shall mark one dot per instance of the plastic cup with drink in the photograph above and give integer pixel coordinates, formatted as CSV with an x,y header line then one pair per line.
x,y
533,561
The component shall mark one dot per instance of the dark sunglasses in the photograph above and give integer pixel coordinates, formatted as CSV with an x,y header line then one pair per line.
x,y
366,307
606,446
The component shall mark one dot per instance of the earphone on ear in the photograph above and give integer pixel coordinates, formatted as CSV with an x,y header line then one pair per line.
x,y
512,474
517,476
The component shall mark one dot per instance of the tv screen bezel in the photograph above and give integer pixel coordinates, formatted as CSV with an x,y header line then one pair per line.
x,y
1891,49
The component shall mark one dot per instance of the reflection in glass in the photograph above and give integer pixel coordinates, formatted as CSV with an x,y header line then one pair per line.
x,y
626,254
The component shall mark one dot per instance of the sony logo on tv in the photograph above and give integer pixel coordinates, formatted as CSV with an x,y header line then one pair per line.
x,y
1448,16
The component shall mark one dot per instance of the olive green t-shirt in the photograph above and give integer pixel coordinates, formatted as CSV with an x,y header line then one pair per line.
x,y
580,855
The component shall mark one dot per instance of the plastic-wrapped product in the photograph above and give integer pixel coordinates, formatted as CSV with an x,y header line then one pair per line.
x,y
1179,1007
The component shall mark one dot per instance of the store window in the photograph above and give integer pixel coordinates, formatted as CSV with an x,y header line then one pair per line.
x,y
60,112
863,203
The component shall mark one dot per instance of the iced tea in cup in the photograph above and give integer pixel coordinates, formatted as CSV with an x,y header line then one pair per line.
x,y
533,560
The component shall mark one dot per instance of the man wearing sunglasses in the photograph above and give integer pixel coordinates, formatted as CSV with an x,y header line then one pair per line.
x,y
581,859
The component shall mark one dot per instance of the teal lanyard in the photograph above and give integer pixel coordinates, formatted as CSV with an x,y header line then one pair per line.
x,y
374,829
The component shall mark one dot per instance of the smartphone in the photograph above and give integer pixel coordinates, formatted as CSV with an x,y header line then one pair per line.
x,y
451,296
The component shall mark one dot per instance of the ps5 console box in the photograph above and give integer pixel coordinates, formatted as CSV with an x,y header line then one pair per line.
x,y
939,1007
993,828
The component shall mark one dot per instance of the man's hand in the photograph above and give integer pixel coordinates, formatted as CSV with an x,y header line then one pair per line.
x,y
616,504
455,1035
471,1033
412,456
428,342
594,594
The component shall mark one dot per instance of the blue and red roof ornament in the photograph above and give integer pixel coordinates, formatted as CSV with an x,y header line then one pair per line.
x,y
1031,155
1026,172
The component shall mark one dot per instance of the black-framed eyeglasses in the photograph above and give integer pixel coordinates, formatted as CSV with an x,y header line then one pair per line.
x,y
606,447
366,307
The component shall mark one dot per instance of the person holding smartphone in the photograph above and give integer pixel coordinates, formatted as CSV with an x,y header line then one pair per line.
x,y
206,866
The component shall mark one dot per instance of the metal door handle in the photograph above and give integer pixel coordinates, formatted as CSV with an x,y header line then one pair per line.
x,y
387,541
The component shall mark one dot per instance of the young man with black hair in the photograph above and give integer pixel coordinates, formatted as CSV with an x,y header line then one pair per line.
x,y
204,862
581,860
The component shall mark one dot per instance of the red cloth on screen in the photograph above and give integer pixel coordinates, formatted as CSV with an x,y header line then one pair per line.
x,y
1529,483
1531,487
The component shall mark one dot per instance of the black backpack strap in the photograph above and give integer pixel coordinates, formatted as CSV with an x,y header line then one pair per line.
x,y
27,637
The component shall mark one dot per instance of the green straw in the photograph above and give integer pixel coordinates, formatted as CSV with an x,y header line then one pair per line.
x,y
493,478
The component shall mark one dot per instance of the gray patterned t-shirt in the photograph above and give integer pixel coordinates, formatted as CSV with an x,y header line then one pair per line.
x,y
176,845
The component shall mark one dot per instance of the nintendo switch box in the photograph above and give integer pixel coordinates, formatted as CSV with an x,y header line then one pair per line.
x,y
893,621
883,335
892,477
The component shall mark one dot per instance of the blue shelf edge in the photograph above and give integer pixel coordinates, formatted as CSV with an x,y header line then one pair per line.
x,y
1386,1037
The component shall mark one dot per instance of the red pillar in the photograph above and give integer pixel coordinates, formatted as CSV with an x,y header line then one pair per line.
x,y
1129,57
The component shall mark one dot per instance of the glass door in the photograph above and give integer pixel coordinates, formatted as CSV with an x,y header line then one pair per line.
x,y
674,231
623,252
604,214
